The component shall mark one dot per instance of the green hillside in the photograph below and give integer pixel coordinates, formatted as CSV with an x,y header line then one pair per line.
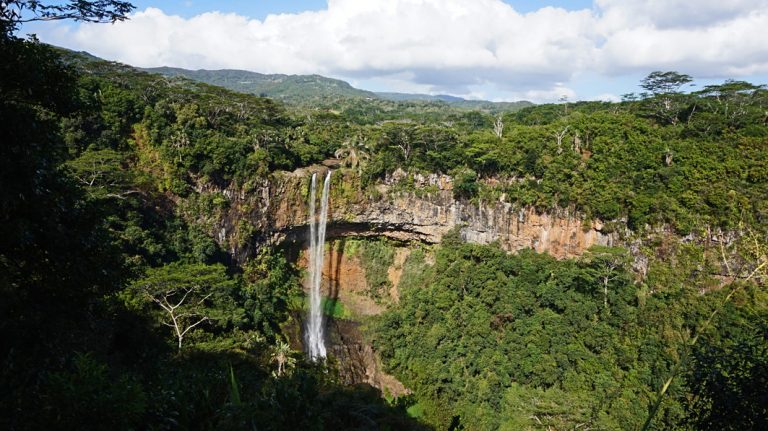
x,y
302,89
457,102
313,90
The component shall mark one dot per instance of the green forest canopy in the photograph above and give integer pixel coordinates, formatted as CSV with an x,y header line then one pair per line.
x,y
98,157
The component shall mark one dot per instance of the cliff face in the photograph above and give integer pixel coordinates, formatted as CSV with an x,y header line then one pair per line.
x,y
422,209
277,210
344,282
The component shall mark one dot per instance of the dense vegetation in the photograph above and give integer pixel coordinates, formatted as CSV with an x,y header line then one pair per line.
x,y
690,161
487,340
121,310
307,90
701,166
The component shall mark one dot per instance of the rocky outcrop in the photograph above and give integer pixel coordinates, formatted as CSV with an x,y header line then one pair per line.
x,y
357,361
276,210
428,218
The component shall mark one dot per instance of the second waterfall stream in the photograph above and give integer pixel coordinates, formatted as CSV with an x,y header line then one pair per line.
x,y
315,338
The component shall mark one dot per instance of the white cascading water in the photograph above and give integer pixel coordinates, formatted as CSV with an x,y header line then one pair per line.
x,y
314,334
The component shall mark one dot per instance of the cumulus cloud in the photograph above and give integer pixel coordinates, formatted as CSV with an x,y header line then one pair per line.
x,y
457,46
617,14
706,38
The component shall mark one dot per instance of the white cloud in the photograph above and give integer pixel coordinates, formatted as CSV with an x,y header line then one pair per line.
x,y
617,14
607,97
727,48
556,92
458,46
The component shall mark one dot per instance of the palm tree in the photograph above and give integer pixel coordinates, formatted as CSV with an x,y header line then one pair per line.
x,y
282,355
353,152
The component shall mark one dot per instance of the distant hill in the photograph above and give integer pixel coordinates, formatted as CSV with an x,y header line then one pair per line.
x,y
401,97
289,88
456,102
308,89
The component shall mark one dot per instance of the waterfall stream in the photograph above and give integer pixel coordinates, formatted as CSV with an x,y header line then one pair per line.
x,y
315,341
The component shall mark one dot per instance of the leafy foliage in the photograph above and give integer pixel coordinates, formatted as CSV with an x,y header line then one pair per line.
x,y
492,341
376,256
14,12
685,160
189,295
728,375
96,191
106,175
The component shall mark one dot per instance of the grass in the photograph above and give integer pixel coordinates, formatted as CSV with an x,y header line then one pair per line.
x,y
415,411
330,307
335,309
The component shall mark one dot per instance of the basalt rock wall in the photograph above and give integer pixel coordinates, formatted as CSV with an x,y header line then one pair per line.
x,y
276,210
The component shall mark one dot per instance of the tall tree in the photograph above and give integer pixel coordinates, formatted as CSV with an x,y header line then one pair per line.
x,y
354,152
665,99
188,296
606,265
734,101
665,82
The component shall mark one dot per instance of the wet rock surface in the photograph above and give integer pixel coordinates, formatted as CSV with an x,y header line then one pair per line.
x,y
355,358
343,281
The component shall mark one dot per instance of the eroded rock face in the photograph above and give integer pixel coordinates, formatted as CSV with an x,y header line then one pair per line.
x,y
358,362
344,280
276,210
427,219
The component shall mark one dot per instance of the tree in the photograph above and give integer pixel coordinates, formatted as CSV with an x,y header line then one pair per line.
x,y
102,174
188,295
754,251
400,137
606,264
57,259
270,283
498,126
354,152
559,136
665,82
732,100
282,356
665,100
465,183
728,372
14,12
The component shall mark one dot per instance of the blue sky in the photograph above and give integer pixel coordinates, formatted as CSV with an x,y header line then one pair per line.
x,y
488,49
259,9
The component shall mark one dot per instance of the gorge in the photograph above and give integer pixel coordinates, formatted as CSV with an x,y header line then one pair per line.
x,y
175,255
407,219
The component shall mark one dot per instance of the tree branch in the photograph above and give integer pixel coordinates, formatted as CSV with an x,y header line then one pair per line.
x,y
194,324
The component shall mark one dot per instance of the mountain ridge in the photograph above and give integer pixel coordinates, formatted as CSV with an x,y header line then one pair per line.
x,y
299,89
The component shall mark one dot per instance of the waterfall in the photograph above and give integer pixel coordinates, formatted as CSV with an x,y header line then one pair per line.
x,y
314,335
